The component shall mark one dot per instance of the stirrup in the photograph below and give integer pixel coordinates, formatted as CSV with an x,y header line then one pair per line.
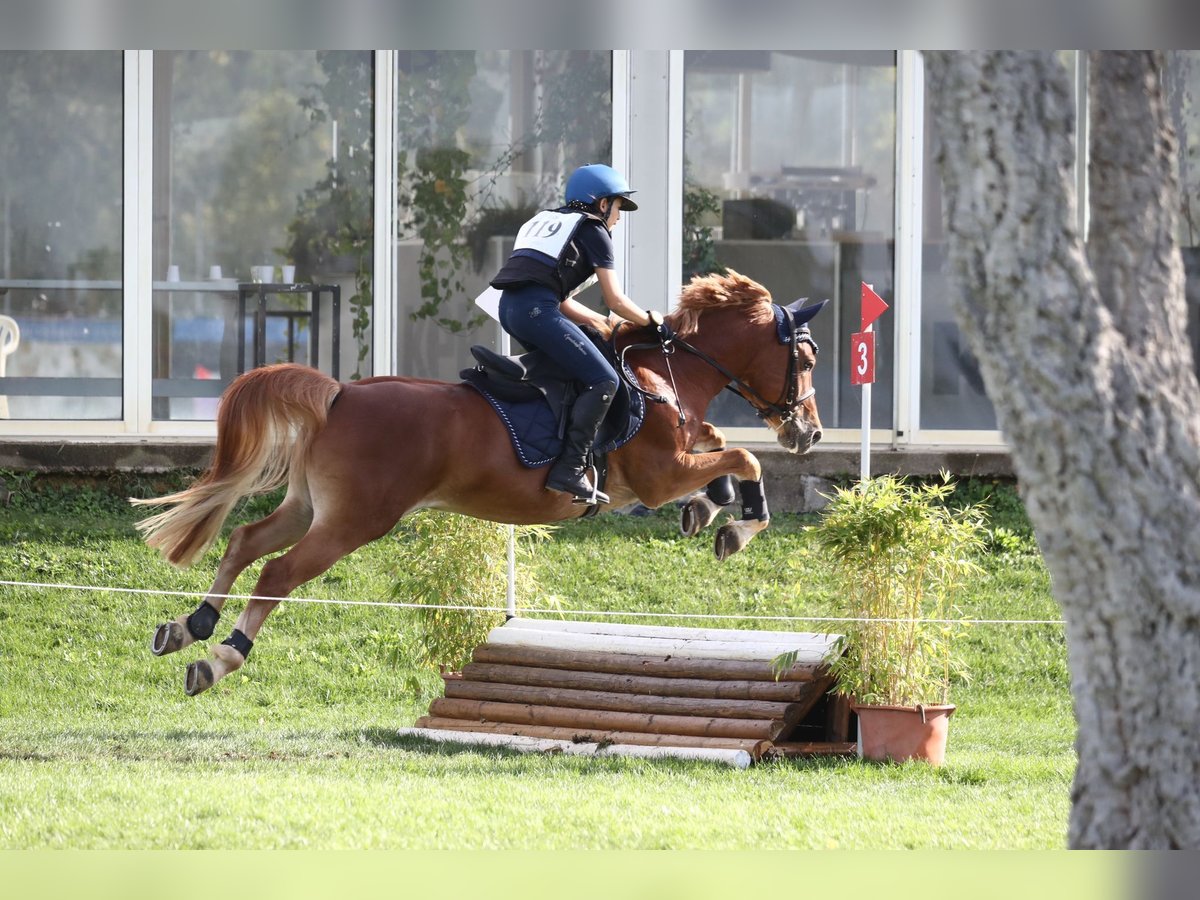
x,y
590,495
597,496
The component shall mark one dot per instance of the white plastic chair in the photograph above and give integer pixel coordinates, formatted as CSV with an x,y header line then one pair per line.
x,y
10,340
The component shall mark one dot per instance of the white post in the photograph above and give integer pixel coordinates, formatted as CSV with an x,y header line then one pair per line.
x,y
511,596
510,603
864,463
864,466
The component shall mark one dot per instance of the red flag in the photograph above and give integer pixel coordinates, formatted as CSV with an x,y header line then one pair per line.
x,y
873,306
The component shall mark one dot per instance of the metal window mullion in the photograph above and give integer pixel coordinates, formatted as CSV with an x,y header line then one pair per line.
x,y
675,174
910,157
1082,140
136,249
621,146
384,315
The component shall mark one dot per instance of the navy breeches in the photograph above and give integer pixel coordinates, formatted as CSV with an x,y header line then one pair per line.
x,y
530,313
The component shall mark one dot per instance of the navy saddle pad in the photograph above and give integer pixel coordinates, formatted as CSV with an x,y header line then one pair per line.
x,y
532,397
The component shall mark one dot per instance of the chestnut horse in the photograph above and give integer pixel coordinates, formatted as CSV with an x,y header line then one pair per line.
x,y
389,446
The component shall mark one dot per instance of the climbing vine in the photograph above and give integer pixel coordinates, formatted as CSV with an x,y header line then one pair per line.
x,y
333,230
445,194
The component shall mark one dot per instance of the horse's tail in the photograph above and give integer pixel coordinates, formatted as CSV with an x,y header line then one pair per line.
x,y
266,421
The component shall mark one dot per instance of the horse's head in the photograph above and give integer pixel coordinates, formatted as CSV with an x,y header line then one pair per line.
x,y
794,416
784,372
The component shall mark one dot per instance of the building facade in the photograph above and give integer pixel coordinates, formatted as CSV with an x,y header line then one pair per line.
x,y
145,195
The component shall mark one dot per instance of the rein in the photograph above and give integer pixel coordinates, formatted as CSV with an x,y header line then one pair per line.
x,y
784,408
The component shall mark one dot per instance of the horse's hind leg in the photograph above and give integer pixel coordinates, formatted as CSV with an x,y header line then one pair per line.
x,y
280,529
319,549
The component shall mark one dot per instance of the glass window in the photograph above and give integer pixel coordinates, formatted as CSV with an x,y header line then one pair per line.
x,y
263,172
61,215
789,178
484,138
952,392
1182,82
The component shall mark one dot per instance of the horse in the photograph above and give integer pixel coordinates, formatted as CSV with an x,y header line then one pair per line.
x,y
357,457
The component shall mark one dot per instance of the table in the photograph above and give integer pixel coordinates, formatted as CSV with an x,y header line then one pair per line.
x,y
313,314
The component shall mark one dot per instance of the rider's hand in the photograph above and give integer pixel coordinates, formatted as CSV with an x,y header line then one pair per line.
x,y
662,329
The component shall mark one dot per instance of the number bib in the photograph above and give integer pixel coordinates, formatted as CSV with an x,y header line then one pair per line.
x,y
548,232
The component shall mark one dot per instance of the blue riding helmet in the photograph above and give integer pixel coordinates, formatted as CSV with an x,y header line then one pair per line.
x,y
590,184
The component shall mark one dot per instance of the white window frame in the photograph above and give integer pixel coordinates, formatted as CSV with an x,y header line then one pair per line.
x,y
645,83
137,63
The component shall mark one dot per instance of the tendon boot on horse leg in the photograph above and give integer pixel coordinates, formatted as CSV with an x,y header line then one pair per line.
x,y
702,508
228,656
187,629
280,529
570,473
733,537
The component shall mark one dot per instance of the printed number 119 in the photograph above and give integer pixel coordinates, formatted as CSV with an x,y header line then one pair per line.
x,y
542,228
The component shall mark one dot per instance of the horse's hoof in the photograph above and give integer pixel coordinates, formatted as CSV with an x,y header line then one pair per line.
x,y
689,522
168,638
729,540
199,678
698,513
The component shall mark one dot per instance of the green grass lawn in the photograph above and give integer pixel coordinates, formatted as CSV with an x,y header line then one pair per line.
x,y
99,747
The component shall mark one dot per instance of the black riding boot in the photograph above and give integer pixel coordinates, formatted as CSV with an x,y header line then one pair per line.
x,y
570,473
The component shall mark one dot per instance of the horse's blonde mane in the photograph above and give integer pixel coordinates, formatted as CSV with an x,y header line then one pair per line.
x,y
729,291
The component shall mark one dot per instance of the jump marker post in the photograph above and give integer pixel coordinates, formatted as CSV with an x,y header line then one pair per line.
x,y
862,367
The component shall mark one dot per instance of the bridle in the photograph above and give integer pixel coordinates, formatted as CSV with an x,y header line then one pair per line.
x,y
785,408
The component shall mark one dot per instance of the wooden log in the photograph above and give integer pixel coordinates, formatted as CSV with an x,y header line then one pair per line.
x,y
801,638
739,759
526,714
597,735
837,718
669,666
607,700
812,748
777,691
810,652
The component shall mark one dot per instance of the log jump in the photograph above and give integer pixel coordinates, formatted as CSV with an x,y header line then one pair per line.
x,y
540,685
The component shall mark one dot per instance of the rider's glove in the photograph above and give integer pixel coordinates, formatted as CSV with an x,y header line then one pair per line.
x,y
665,332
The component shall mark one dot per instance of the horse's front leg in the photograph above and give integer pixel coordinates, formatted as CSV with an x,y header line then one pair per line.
x,y
734,535
695,470
702,508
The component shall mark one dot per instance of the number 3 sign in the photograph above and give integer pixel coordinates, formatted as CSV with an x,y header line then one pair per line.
x,y
862,358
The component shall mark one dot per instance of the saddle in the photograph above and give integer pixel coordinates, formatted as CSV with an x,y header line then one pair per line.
x,y
532,395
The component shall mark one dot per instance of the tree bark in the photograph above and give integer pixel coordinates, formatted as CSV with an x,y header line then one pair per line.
x,y
1084,354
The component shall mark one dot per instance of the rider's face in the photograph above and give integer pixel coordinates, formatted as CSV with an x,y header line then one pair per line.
x,y
612,213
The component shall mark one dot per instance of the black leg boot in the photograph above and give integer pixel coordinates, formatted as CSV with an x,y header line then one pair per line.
x,y
570,473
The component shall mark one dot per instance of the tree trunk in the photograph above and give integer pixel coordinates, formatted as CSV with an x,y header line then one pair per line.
x,y
1084,354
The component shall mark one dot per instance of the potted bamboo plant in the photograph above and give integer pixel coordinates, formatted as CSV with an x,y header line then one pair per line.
x,y
901,554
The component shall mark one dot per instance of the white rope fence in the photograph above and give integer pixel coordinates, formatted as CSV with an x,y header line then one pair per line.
x,y
746,617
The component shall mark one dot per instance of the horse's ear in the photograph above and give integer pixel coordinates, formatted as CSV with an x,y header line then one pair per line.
x,y
802,314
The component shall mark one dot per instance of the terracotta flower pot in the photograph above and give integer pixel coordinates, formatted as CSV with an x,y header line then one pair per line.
x,y
901,733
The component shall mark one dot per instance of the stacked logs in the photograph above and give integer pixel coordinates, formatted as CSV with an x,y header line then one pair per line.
x,y
640,685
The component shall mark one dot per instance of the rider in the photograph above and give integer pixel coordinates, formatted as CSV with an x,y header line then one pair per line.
x,y
556,253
